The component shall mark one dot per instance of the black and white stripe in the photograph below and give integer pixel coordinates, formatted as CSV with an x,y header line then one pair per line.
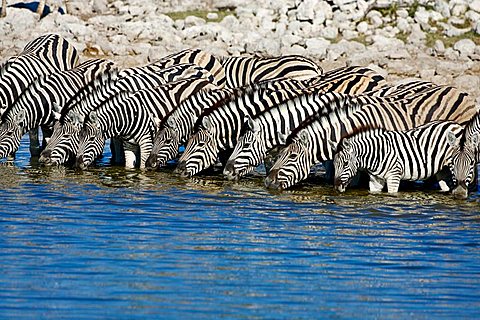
x,y
308,143
63,144
242,71
391,156
218,129
132,117
35,106
268,129
465,158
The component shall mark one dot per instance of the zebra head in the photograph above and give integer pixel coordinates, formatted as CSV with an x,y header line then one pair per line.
x,y
11,132
201,151
63,144
165,146
293,163
248,153
91,142
463,162
345,164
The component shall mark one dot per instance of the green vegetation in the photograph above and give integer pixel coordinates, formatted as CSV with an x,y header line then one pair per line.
x,y
450,41
201,14
390,11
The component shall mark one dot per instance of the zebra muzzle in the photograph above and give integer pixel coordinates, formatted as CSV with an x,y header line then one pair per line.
x,y
229,170
45,157
80,163
461,191
151,163
182,170
272,182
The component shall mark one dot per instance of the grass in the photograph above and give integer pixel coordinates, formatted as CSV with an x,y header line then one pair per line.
x,y
201,14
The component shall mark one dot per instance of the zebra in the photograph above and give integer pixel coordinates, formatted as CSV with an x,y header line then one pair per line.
x,y
242,71
465,157
34,106
41,56
308,144
133,117
391,156
179,126
63,143
217,130
269,128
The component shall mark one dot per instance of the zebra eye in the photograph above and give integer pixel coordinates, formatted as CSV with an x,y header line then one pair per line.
x,y
92,138
293,156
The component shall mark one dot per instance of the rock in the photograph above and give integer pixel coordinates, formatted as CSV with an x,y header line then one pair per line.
x,y
417,36
362,27
329,32
474,5
465,47
400,53
402,68
439,47
451,54
403,25
375,18
212,16
378,69
422,16
191,21
317,47
476,28
442,7
427,74
469,83
305,10
458,9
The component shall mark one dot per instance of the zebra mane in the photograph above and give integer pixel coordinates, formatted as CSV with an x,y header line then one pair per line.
x,y
237,93
109,76
10,107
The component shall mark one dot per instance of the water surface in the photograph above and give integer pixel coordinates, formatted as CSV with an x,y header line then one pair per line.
x,y
115,243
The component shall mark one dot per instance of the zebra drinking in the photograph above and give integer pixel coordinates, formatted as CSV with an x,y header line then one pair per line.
x,y
133,117
391,156
308,144
35,106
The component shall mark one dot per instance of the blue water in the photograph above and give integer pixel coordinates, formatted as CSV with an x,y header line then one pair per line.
x,y
118,244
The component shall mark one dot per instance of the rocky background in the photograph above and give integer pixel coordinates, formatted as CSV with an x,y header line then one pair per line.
x,y
436,40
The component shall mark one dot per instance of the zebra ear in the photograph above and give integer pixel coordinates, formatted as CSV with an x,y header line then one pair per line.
x,y
452,139
157,121
303,135
333,144
474,140
171,122
77,118
20,117
56,110
207,124
94,119
252,125
282,138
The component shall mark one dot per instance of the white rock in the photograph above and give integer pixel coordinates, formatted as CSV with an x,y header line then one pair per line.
x,y
459,9
475,5
476,28
212,16
466,47
305,10
399,53
417,36
317,47
402,13
442,7
403,25
290,39
426,74
422,16
439,47
472,16
469,83
362,27
329,32
350,34
378,69
191,21
451,54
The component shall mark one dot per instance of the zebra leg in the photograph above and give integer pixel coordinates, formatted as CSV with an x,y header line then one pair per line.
x,y
145,146
46,134
443,178
393,183
34,142
473,187
130,151
376,184
329,171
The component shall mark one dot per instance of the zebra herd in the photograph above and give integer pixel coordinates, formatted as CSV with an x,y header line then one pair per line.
x,y
238,112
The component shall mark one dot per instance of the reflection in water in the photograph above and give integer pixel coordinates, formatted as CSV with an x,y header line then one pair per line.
x,y
117,243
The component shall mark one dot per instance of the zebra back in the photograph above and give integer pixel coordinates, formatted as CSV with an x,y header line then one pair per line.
x,y
197,57
242,71
414,154
43,55
310,141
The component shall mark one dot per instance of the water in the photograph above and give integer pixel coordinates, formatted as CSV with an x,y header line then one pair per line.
x,y
113,243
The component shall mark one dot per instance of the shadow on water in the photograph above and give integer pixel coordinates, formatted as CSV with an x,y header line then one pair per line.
x,y
115,243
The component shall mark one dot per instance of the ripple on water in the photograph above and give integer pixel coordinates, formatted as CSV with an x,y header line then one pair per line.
x,y
117,243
